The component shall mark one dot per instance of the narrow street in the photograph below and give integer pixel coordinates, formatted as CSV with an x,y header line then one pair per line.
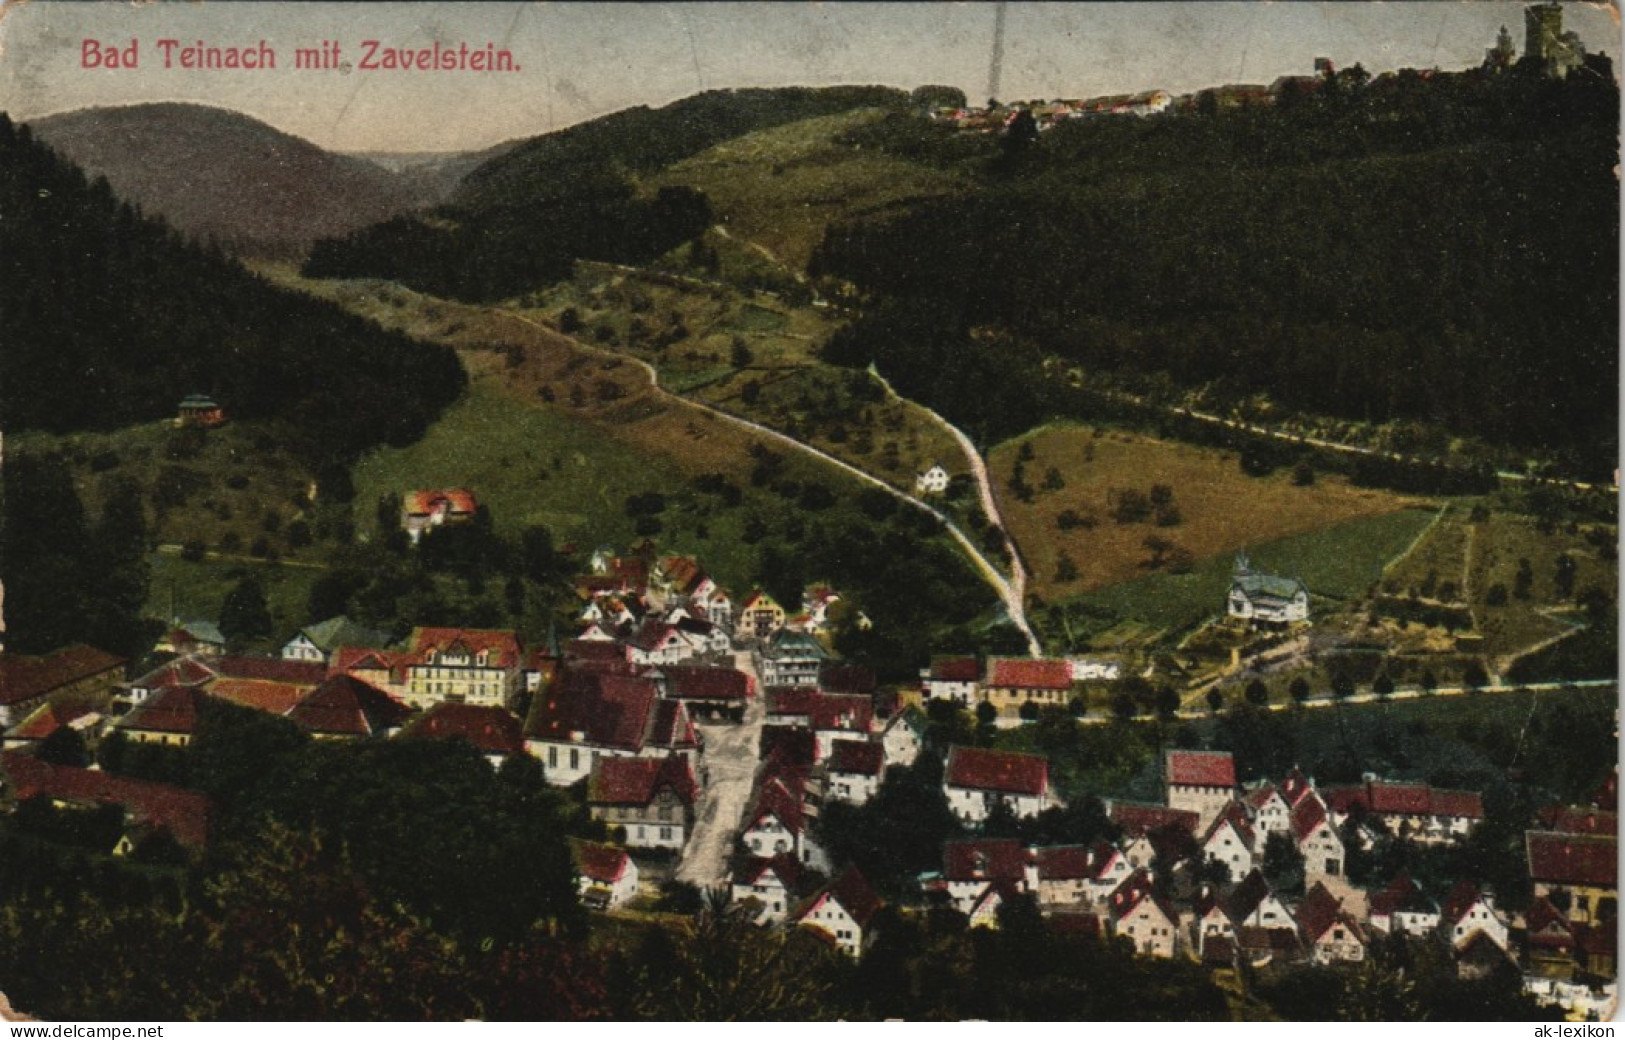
x,y
730,764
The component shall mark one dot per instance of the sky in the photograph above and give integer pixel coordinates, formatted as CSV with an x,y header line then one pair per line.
x,y
576,61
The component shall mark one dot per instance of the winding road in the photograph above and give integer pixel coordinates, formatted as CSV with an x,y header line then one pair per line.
x,y
1008,593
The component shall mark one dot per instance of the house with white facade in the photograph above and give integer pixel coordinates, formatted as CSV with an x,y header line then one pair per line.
x,y
1265,598
1330,932
588,714
607,876
855,769
791,659
956,679
1202,782
1316,838
842,912
318,642
652,800
462,666
934,481
977,779
970,867
1146,920
903,737
771,883
1230,840
1469,911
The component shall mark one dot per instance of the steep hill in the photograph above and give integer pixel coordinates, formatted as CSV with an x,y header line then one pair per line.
x,y
221,175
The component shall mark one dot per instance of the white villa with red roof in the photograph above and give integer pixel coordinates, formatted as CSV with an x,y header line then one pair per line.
x,y
1014,681
462,666
652,799
1201,781
976,779
426,509
608,876
842,911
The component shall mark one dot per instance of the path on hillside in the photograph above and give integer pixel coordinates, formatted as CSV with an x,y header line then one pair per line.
x,y
1075,375
1013,604
1407,694
984,485
729,765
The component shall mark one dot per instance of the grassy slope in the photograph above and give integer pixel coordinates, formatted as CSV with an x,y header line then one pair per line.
x,y
1223,510
780,188
1341,560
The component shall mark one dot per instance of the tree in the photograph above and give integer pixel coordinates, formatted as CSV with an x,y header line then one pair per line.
x,y
1283,864
1065,569
244,615
739,354
1383,686
1299,689
1257,693
1342,685
986,713
1215,699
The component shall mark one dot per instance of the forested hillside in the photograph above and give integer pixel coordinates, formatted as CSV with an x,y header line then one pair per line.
x,y
1440,249
109,319
222,176
519,221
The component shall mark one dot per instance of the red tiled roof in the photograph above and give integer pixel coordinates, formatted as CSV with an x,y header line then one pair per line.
x,y
1578,820
863,757
269,669
842,711
1137,820
348,659
1319,911
274,697
1402,894
185,814
1463,804
595,651
956,669
637,781
1069,923
671,726
1201,768
1388,798
1295,786
173,709
24,677
792,700
986,860
1235,815
981,769
1307,815
456,501
46,720
789,745
1246,897
1023,673
1398,799
602,863
501,645
855,896
784,867
1260,796
346,706
1548,926
1573,859
185,671
687,682
1463,894
495,731
781,798
607,709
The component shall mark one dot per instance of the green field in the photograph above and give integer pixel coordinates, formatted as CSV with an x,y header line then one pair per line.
x,y
199,588
1339,562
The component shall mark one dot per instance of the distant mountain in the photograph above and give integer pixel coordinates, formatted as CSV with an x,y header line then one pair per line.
x,y
432,177
214,173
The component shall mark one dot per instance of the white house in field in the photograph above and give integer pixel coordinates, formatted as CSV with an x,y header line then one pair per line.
x,y
1265,597
934,481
